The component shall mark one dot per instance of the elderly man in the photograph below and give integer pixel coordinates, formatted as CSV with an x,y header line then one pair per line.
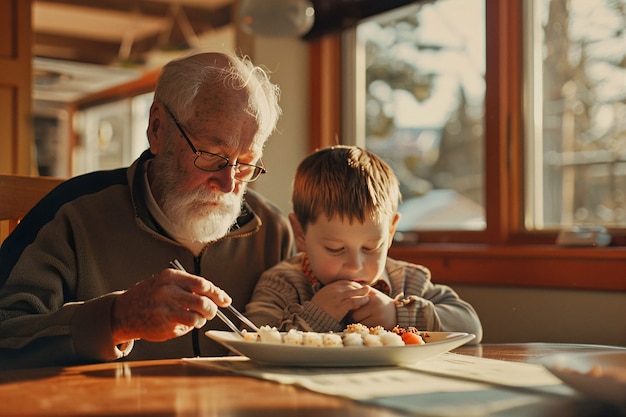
x,y
95,283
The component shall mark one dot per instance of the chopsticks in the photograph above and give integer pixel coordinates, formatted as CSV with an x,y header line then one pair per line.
x,y
177,265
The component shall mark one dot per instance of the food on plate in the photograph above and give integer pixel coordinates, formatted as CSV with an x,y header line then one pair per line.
x,y
310,338
410,336
355,334
293,337
332,340
352,339
269,335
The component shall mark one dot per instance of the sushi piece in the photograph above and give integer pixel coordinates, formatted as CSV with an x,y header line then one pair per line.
x,y
357,328
391,339
269,334
372,340
292,337
352,339
410,338
249,336
312,339
331,340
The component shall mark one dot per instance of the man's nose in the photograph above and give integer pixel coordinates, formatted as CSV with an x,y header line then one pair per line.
x,y
224,179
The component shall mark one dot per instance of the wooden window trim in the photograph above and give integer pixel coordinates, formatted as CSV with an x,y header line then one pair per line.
x,y
503,255
537,266
325,91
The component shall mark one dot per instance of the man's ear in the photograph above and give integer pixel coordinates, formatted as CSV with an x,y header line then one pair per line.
x,y
392,228
155,127
298,232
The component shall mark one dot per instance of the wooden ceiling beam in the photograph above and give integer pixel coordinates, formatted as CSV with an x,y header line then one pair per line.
x,y
100,42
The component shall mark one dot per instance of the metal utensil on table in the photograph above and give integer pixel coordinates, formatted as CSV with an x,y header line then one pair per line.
x,y
177,265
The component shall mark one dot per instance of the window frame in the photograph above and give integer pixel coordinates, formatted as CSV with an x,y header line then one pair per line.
x,y
504,254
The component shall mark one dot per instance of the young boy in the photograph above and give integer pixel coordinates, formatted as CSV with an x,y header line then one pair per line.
x,y
345,202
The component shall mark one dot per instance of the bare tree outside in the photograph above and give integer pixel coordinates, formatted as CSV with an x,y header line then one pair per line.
x,y
424,111
425,89
582,152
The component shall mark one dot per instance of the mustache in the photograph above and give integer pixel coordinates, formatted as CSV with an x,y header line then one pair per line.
x,y
201,197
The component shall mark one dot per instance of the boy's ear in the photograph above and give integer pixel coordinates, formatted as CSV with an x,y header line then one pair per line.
x,y
392,228
298,232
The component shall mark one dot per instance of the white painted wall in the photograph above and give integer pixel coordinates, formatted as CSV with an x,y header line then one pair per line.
x,y
541,315
288,61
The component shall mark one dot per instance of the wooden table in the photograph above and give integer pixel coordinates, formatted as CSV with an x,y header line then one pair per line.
x,y
175,388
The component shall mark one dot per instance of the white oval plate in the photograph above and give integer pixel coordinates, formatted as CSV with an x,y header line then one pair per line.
x,y
291,355
599,375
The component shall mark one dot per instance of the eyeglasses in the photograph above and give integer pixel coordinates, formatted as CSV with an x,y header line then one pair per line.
x,y
212,162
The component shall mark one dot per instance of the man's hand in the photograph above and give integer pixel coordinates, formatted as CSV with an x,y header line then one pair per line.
x,y
165,306
337,299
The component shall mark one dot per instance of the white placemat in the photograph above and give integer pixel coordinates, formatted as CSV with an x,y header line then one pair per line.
x,y
440,386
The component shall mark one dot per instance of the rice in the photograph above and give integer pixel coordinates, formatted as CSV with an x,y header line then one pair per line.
x,y
249,337
355,334
312,339
357,328
269,334
372,340
391,339
331,340
352,339
293,337
379,330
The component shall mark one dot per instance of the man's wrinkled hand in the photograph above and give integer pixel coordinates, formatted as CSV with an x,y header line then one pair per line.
x,y
165,306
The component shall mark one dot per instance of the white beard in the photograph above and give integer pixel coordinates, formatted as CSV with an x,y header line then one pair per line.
x,y
201,215
198,215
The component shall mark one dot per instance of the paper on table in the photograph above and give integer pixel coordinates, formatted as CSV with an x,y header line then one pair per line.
x,y
457,367
355,383
512,374
439,386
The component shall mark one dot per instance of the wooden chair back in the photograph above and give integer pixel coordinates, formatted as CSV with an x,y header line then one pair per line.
x,y
18,194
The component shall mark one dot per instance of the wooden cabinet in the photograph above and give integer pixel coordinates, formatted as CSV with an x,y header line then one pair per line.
x,y
16,156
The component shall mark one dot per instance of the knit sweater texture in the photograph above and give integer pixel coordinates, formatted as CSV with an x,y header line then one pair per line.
x,y
282,299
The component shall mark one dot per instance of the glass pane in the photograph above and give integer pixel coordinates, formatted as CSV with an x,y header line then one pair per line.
x,y
576,120
423,72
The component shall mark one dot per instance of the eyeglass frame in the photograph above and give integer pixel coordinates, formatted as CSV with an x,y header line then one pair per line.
x,y
258,170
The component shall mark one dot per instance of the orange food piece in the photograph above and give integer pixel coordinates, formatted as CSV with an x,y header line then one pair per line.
x,y
410,338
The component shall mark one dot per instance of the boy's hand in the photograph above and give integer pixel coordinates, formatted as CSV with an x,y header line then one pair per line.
x,y
339,298
379,311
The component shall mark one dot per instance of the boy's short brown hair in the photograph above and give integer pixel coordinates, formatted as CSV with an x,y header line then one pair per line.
x,y
344,181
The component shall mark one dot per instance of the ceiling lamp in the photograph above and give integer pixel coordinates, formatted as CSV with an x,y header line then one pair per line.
x,y
276,17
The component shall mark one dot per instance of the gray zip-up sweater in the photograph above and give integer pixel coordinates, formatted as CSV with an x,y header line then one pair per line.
x,y
93,236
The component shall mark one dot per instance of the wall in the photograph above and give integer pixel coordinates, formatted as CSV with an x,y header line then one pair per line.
x,y
508,314
539,315
287,59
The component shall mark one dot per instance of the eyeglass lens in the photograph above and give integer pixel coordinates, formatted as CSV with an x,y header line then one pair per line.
x,y
212,162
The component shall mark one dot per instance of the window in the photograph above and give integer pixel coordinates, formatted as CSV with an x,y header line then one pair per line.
x,y
491,146
423,75
575,88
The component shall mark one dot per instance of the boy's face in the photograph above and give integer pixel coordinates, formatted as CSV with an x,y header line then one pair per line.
x,y
340,250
